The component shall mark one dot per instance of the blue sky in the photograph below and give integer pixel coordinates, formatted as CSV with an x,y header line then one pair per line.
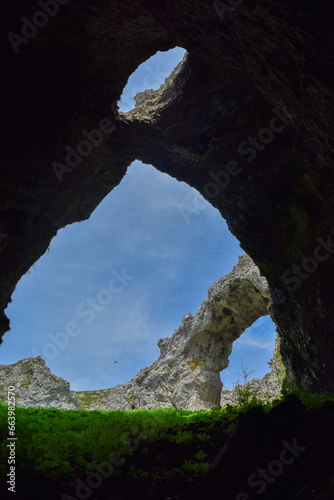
x,y
158,246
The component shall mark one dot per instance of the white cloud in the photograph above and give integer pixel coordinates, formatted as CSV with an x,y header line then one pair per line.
x,y
256,342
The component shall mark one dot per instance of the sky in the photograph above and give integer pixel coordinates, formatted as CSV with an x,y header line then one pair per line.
x,y
158,246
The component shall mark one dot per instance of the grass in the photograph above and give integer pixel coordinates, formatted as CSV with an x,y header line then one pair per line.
x,y
57,441
157,446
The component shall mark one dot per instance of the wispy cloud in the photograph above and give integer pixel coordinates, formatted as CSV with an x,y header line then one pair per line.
x,y
256,342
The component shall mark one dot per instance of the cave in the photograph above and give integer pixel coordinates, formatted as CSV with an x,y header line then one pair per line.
x,y
155,241
258,148
246,119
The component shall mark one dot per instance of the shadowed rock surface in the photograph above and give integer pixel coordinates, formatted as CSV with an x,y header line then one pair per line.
x,y
273,456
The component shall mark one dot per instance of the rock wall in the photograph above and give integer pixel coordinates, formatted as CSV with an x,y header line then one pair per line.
x,y
248,123
35,385
186,374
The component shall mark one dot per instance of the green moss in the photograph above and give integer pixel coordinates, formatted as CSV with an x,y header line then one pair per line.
x,y
130,399
39,360
312,401
26,383
279,361
87,398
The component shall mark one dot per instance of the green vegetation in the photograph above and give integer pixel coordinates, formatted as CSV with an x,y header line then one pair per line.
x,y
245,395
312,401
278,357
87,398
74,442
26,383
70,442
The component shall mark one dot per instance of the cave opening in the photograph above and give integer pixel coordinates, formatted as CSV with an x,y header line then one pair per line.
x,y
253,350
149,75
149,250
81,322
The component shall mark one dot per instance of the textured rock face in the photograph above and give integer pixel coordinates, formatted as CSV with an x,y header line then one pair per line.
x,y
35,385
186,374
244,67
267,388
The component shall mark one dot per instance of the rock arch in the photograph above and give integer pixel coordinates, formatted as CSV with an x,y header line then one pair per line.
x,y
187,373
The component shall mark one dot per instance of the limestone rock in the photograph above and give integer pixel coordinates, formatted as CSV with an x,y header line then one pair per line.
x,y
187,373
35,385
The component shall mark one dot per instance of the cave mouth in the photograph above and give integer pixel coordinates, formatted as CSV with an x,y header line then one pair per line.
x,y
252,351
187,208
67,328
150,75
147,229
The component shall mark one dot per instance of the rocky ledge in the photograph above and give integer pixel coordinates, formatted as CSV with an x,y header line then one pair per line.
x,y
35,385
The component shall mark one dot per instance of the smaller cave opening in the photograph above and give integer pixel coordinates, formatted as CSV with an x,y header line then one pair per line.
x,y
150,75
251,353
